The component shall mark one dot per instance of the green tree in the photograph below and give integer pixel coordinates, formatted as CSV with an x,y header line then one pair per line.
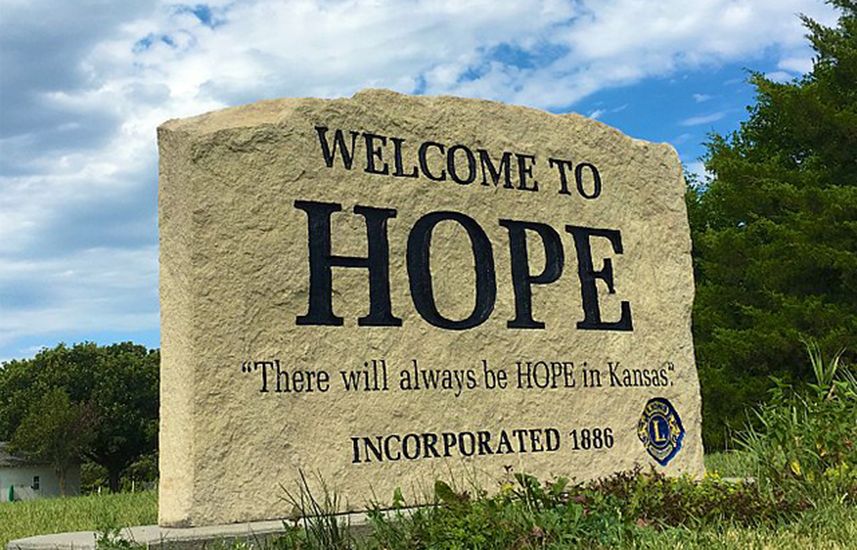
x,y
775,231
118,383
126,399
56,431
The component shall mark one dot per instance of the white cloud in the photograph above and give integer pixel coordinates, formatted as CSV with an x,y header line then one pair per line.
x,y
795,64
702,119
601,111
697,169
85,84
779,76
681,138
88,290
701,98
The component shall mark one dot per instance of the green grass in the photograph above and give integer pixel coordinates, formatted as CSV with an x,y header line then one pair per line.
x,y
729,464
830,527
84,513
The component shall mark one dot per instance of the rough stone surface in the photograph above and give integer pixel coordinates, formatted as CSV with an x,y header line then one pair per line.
x,y
235,276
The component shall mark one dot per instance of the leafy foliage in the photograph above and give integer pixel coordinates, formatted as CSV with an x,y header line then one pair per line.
x,y
805,441
117,385
612,512
56,431
775,232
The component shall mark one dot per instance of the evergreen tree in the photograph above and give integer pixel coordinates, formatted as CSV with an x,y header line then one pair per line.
x,y
775,232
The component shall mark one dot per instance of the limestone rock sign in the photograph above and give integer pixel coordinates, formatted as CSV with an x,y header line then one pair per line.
x,y
384,290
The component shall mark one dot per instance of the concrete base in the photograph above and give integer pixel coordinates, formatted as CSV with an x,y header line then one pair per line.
x,y
153,536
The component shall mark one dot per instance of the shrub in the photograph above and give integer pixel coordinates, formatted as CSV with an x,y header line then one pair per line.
x,y
614,511
654,499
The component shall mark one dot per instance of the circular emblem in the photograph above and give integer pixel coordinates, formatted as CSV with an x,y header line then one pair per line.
x,y
660,430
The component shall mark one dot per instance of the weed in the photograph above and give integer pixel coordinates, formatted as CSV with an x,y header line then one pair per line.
x,y
321,519
111,538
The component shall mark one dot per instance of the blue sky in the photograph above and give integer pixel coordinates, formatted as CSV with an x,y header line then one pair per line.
x,y
83,85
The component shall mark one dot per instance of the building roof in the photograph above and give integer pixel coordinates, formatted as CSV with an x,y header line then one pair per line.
x,y
8,459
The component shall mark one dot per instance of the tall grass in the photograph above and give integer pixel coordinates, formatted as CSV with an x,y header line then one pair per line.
x,y
730,464
804,440
84,513
320,517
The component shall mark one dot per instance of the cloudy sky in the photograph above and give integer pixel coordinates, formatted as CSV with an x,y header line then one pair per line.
x,y
83,86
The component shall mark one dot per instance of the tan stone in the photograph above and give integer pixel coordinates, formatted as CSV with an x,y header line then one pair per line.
x,y
235,277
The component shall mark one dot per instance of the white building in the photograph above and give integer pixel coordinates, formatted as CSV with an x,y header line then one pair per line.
x,y
21,479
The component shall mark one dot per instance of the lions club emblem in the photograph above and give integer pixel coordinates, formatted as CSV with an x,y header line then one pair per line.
x,y
660,430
